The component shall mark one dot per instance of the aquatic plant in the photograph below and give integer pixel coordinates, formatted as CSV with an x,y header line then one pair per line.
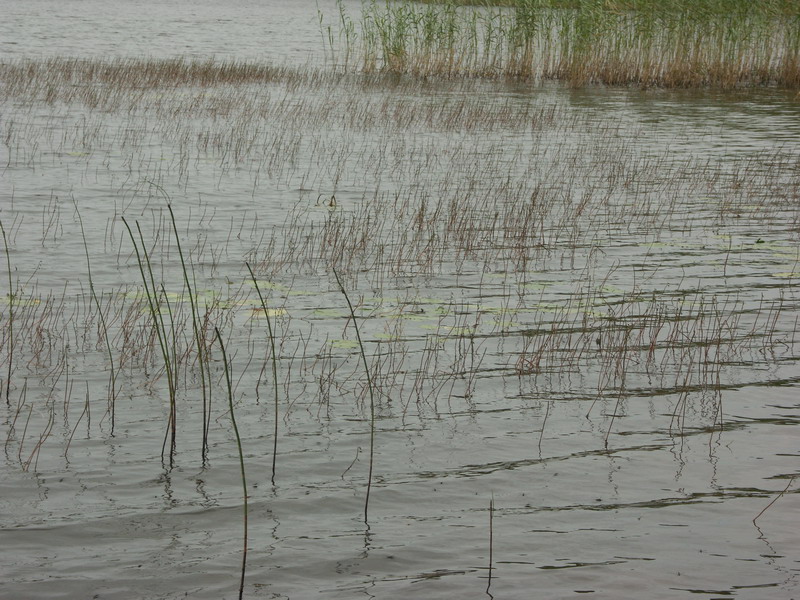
x,y
274,356
199,339
168,354
510,252
112,380
371,393
10,336
229,387
712,43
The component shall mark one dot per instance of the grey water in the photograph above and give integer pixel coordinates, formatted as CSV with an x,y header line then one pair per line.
x,y
579,307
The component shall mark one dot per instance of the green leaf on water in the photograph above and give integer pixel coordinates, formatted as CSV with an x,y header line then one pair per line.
x,y
272,312
328,312
345,344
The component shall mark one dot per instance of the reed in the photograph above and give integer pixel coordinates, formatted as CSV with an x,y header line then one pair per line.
x,y
170,351
112,381
84,413
10,337
161,333
199,339
371,394
504,236
274,361
229,387
491,546
711,43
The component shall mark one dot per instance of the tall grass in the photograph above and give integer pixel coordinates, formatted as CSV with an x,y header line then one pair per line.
x,y
112,384
675,43
198,338
160,328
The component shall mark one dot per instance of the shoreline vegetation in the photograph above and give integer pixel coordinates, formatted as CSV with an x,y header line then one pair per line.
x,y
646,43
722,44
404,284
720,6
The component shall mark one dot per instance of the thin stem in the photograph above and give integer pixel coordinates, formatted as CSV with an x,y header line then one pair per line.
x,y
113,377
10,317
491,545
158,324
241,455
371,396
274,370
774,500
199,341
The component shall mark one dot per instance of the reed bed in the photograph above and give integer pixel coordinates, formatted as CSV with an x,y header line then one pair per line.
x,y
493,242
424,239
676,44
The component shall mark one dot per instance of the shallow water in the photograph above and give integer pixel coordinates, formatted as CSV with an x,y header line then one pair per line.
x,y
579,306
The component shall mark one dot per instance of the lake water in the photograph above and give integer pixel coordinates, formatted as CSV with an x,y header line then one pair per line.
x,y
579,313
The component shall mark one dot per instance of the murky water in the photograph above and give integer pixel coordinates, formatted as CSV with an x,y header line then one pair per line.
x,y
578,307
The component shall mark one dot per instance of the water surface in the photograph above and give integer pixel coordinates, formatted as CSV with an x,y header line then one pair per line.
x,y
578,306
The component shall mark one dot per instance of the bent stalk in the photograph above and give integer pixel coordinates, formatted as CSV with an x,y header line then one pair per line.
x,y
241,455
371,396
274,370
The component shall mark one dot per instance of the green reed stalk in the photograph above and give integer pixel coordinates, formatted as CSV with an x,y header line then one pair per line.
x,y
241,454
158,324
113,376
274,370
170,364
10,317
371,395
199,341
670,43
491,544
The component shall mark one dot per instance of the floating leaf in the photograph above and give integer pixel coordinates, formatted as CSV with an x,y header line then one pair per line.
x,y
328,312
271,312
20,300
346,344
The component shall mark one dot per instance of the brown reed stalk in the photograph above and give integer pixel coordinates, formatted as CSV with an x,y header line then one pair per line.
x,y
774,500
37,450
78,422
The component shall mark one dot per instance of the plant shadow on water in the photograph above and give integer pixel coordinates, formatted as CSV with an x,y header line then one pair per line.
x,y
546,335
